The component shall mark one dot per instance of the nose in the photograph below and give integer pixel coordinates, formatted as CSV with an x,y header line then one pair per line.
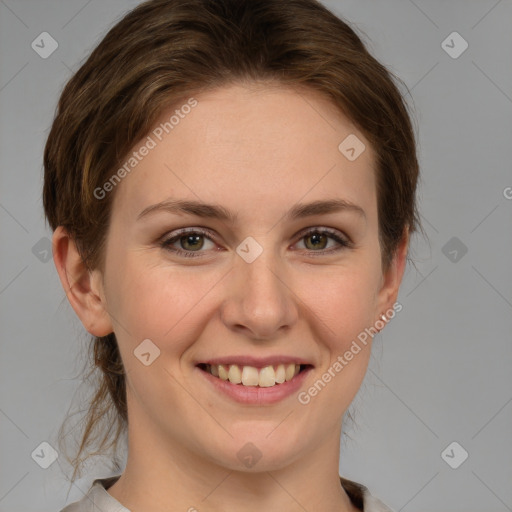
x,y
260,299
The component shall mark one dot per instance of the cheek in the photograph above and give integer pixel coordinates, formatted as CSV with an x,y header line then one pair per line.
x,y
158,302
342,305
342,298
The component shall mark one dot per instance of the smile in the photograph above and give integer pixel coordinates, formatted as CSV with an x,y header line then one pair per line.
x,y
268,376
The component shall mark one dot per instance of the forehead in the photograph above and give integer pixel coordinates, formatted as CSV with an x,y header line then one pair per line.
x,y
251,145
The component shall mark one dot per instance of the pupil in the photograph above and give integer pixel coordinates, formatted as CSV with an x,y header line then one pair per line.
x,y
318,237
194,239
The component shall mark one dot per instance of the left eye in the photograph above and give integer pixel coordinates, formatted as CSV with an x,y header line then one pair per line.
x,y
320,238
192,241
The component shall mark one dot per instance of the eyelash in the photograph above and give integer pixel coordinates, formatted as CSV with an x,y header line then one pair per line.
x,y
333,234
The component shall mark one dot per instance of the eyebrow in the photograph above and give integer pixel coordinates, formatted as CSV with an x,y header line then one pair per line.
x,y
216,211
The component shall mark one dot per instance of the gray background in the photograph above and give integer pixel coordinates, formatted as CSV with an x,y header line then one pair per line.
x,y
440,372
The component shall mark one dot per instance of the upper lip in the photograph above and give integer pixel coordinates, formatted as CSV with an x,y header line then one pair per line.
x,y
257,362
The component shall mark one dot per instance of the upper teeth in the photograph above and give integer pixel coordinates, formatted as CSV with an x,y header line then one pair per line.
x,y
251,376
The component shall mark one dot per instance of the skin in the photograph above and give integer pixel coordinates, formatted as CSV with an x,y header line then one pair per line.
x,y
256,150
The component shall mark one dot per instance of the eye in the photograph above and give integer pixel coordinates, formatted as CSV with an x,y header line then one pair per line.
x,y
319,238
191,241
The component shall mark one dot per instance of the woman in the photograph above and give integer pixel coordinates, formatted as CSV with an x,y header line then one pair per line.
x,y
231,186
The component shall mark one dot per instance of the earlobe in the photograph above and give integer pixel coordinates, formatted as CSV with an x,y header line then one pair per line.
x,y
83,287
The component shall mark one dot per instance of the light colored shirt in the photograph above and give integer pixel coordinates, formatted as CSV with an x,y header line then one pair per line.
x,y
99,500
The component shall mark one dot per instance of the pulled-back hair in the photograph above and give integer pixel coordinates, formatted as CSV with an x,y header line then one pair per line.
x,y
167,50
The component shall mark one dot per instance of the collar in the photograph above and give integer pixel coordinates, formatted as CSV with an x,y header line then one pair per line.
x,y
359,495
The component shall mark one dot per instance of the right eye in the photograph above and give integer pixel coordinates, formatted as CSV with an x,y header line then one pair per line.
x,y
187,237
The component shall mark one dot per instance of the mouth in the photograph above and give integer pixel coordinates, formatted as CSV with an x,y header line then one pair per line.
x,y
251,376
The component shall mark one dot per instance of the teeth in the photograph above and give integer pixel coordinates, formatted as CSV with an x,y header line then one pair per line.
x,y
280,374
267,377
234,374
290,371
223,373
251,376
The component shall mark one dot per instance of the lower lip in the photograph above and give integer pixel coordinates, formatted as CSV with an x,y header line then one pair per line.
x,y
254,394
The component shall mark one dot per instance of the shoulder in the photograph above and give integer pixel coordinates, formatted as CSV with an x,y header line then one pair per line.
x,y
77,506
373,504
73,507
362,498
97,498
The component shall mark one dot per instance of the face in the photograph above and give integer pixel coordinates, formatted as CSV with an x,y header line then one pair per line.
x,y
263,288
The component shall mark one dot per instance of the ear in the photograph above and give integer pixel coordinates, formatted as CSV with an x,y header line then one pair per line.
x,y
392,278
84,288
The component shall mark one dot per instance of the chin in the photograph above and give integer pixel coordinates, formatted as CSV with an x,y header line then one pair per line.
x,y
250,452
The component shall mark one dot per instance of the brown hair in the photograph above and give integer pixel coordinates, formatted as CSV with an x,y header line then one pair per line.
x,y
165,50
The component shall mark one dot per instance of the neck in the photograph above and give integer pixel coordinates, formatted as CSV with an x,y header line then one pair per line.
x,y
162,475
